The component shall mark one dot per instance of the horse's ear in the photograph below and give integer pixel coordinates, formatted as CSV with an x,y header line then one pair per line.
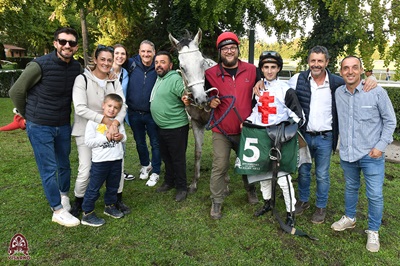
x,y
173,41
197,38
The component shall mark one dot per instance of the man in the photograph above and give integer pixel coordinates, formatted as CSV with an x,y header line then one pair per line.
x,y
366,125
168,111
142,76
43,96
231,77
315,89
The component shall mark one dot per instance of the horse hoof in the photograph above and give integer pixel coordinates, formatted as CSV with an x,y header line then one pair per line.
x,y
192,190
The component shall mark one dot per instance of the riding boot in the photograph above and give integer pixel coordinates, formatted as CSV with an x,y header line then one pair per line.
x,y
264,209
290,219
251,191
77,207
122,206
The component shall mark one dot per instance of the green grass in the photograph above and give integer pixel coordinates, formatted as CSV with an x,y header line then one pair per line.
x,y
160,231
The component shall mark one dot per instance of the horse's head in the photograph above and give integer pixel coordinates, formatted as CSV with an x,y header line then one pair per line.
x,y
193,65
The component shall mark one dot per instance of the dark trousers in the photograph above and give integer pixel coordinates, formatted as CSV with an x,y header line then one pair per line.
x,y
173,144
109,172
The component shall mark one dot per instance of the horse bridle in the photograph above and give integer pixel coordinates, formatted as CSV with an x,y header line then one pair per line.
x,y
197,82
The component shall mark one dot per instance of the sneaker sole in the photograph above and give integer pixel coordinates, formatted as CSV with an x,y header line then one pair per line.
x,y
129,179
64,224
317,222
89,224
342,229
116,217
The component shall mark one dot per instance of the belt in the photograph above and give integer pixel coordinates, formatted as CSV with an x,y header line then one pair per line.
x,y
318,133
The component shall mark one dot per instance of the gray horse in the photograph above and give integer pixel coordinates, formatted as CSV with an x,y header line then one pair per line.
x,y
192,67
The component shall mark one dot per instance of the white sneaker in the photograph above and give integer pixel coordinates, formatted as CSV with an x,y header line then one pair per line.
x,y
153,180
63,217
65,202
344,223
372,241
145,171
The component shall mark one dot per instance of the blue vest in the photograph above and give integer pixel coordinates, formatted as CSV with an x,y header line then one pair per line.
x,y
303,91
49,101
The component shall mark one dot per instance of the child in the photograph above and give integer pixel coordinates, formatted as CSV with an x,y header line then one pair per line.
x,y
277,103
107,154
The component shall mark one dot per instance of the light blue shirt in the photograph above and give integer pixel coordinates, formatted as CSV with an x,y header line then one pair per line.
x,y
366,120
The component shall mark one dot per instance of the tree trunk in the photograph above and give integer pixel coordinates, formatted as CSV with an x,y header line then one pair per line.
x,y
85,45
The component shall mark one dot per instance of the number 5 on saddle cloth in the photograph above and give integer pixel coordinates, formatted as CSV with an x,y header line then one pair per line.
x,y
258,144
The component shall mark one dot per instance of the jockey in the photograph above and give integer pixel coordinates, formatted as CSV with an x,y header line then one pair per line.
x,y
277,103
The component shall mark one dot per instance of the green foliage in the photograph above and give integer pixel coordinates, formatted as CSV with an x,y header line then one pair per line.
x,y
160,231
394,95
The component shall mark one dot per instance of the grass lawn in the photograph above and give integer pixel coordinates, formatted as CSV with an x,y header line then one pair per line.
x,y
160,231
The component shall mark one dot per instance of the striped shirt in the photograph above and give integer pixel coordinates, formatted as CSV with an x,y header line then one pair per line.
x,y
366,120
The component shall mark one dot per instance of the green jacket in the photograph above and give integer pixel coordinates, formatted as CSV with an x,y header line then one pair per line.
x,y
166,106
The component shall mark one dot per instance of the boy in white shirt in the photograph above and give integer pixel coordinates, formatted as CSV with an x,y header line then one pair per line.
x,y
107,154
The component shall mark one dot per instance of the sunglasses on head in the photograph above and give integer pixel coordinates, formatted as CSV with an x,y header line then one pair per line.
x,y
64,42
101,47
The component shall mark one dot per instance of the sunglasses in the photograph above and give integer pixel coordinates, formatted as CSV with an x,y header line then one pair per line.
x,y
101,47
271,53
64,42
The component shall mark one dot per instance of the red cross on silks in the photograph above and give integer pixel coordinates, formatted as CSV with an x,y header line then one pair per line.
x,y
265,109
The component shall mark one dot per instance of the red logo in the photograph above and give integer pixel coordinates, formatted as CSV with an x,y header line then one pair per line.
x,y
18,244
265,109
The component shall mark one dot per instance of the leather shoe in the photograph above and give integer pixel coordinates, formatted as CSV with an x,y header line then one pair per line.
x,y
266,208
164,188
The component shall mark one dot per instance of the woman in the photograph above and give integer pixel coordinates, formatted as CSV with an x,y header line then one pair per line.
x,y
120,56
88,95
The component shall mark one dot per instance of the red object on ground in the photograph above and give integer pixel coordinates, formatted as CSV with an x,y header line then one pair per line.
x,y
19,122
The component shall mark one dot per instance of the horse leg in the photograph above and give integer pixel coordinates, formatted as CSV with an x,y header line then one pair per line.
x,y
198,133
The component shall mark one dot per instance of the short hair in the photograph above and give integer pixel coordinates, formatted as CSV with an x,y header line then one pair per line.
x,y
149,43
351,56
319,50
114,97
66,30
165,53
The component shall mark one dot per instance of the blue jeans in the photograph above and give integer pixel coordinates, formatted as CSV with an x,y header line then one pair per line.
x,y
100,172
374,171
321,150
52,146
142,123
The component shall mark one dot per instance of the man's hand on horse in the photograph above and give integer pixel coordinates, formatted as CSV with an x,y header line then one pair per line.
x,y
185,99
258,87
215,102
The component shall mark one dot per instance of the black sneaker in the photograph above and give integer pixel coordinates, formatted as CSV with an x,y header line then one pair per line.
x,y
164,188
129,177
266,208
91,219
76,208
112,211
122,207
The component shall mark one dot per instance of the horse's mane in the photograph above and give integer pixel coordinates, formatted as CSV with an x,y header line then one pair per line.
x,y
185,41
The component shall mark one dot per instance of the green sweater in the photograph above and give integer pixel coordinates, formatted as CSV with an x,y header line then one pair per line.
x,y
166,106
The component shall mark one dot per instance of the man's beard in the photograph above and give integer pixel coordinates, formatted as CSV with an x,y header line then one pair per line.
x,y
227,63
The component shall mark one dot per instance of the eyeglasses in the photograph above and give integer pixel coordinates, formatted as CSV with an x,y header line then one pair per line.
x,y
270,53
227,49
64,42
